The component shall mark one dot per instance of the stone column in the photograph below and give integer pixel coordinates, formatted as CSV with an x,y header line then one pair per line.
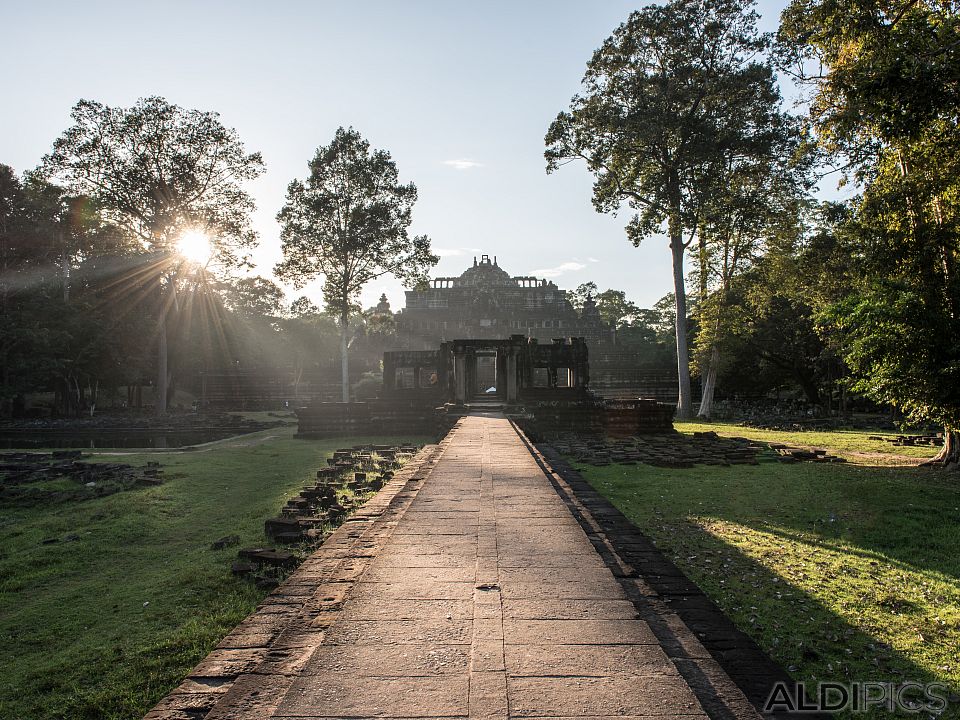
x,y
501,381
460,377
389,372
512,376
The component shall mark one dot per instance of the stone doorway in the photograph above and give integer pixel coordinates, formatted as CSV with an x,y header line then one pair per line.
x,y
486,374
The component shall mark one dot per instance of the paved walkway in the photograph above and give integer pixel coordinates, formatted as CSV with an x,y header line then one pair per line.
x,y
486,599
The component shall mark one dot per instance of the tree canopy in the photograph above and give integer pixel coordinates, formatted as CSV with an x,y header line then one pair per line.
x,y
885,103
349,222
676,93
157,171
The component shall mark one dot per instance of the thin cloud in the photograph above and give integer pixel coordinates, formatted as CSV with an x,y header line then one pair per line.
x,y
558,270
462,164
592,259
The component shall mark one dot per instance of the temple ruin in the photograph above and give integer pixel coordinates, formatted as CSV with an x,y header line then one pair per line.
x,y
486,302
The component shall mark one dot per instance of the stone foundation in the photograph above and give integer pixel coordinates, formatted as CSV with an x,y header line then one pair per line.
x,y
414,416
623,418
592,416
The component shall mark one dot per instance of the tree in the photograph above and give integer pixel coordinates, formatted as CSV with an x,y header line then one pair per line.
x,y
157,171
303,306
54,339
665,97
762,196
885,102
349,222
255,297
613,306
615,309
578,296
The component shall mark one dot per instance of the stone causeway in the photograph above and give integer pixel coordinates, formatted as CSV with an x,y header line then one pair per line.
x,y
484,580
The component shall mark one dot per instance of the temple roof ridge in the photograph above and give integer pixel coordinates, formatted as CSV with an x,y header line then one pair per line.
x,y
486,272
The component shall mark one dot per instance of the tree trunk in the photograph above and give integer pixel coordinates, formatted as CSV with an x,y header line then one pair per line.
x,y
65,269
709,384
809,386
162,376
684,403
344,366
949,455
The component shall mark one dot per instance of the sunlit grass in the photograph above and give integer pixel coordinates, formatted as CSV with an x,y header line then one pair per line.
x,y
840,572
847,443
913,610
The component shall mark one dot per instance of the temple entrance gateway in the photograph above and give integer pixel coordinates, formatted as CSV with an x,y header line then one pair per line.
x,y
486,373
519,368
543,386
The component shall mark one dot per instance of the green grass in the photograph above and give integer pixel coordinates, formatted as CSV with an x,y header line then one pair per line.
x,y
104,626
844,442
840,572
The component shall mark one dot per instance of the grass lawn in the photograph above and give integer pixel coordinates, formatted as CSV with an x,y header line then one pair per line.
x,y
102,627
853,444
840,571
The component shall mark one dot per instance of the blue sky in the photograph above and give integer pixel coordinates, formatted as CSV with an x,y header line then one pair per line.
x,y
461,94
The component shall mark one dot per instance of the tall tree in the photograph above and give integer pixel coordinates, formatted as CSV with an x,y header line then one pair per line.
x,y
762,197
158,170
664,97
885,102
349,223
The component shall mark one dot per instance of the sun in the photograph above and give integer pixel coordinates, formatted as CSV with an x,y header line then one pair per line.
x,y
194,245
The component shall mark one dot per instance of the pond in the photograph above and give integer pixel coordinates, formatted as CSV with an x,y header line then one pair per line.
x,y
137,438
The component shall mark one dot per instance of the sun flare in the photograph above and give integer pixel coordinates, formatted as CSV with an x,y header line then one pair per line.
x,y
195,246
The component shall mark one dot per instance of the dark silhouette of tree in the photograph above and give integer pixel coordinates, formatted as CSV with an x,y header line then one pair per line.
x,y
158,170
348,222
254,297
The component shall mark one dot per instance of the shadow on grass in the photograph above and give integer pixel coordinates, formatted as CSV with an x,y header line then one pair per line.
x,y
718,524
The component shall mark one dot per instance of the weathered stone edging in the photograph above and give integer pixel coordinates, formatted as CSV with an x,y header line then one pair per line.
x,y
730,674
254,665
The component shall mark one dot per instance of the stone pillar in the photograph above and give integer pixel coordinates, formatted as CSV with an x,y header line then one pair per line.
x,y
471,373
460,377
512,376
501,381
389,373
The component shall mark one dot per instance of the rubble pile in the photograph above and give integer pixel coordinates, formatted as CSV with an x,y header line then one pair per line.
x,y
912,440
350,478
789,454
31,478
671,450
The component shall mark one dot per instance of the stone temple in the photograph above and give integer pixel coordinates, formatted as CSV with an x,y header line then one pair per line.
x,y
485,301
488,339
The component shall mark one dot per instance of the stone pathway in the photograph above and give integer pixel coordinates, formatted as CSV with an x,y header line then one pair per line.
x,y
483,597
